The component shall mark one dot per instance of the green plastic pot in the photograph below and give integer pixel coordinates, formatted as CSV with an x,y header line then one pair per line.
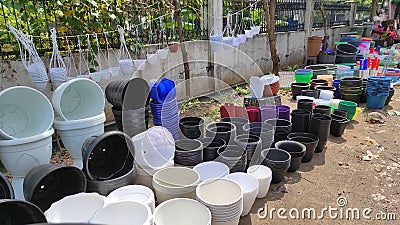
x,y
350,107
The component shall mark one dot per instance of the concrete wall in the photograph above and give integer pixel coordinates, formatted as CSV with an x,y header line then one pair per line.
x,y
231,65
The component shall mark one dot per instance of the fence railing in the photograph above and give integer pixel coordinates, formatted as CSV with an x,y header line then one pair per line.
x,y
362,14
336,14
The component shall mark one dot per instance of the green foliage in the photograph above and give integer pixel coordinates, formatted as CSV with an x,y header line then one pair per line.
x,y
242,91
293,68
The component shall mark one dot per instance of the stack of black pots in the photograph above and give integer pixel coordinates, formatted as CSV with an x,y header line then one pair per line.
x,y
188,153
305,104
351,89
264,131
300,119
191,127
238,122
253,145
346,53
322,109
234,156
221,130
282,128
296,150
308,140
320,127
108,162
310,93
389,98
211,147
318,82
130,100
363,98
338,125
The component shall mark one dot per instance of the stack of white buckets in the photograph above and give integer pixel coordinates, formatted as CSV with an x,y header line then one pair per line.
x,y
79,104
26,117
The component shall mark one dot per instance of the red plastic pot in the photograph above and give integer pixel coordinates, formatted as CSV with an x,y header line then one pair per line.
x,y
253,113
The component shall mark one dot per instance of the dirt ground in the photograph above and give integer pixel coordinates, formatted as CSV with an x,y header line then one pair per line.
x,y
359,171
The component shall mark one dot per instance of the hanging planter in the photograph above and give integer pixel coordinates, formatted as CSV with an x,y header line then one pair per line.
x,y
162,53
30,59
140,64
58,70
112,70
152,58
124,58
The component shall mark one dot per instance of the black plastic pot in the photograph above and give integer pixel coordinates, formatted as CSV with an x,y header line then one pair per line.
x,y
317,69
305,104
320,127
128,94
318,82
132,122
6,190
345,58
311,142
328,88
238,122
346,49
297,87
323,109
351,97
48,183
234,156
300,119
188,152
264,131
210,148
278,161
389,98
310,93
17,212
221,130
340,112
107,156
253,145
282,128
296,150
105,187
191,127
338,125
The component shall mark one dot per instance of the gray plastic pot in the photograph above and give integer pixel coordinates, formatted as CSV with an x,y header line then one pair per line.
x,y
107,156
48,183
296,150
6,190
278,161
221,130
17,212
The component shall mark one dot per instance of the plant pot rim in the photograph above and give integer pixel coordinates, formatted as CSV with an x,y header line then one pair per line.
x,y
265,152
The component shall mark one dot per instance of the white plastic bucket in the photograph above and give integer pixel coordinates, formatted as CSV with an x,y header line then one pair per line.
x,y
212,169
78,99
162,53
140,64
144,175
181,211
126,66
19,156
256,29
249,33
249,185
326,95
123,213
133,193
175,182
78,208
264,176
152,58
24,112
74,133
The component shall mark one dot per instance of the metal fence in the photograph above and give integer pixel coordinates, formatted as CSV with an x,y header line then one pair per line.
x,y
71,18
336,14
362,14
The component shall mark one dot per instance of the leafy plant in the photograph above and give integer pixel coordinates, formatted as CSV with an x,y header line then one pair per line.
x,y
293,68
242,90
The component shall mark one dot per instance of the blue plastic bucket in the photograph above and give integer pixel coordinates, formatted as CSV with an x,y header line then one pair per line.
x,y
376,102
160,90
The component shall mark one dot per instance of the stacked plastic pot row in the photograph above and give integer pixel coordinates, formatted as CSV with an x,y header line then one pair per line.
x,y
129,99
255,114
377,90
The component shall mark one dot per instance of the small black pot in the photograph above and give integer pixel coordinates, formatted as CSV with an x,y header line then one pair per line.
x,y
318,82
340,112
107,156
191,127
210,148
6,190
234,156
328,88
238,122
188,152
310,93
351,97
297,87
389,98
282,128
48,183
320,127
300,119
278,161
338,125
323,109
115,92
264,131
308,140
128,94
252,144
296,150
305,104
132,122
221,130
18,212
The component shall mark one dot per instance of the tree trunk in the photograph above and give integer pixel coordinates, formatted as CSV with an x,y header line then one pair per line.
x,y
374,8
325,19
269,11
177,6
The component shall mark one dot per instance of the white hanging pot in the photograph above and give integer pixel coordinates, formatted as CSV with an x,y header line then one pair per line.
x,y
96,76
236,41
38,74
152,58
83,76
227,40
105,74
249,33
139,64
215,42
243,38
162,53
126,66
114,71
256,29
20,156
58,75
